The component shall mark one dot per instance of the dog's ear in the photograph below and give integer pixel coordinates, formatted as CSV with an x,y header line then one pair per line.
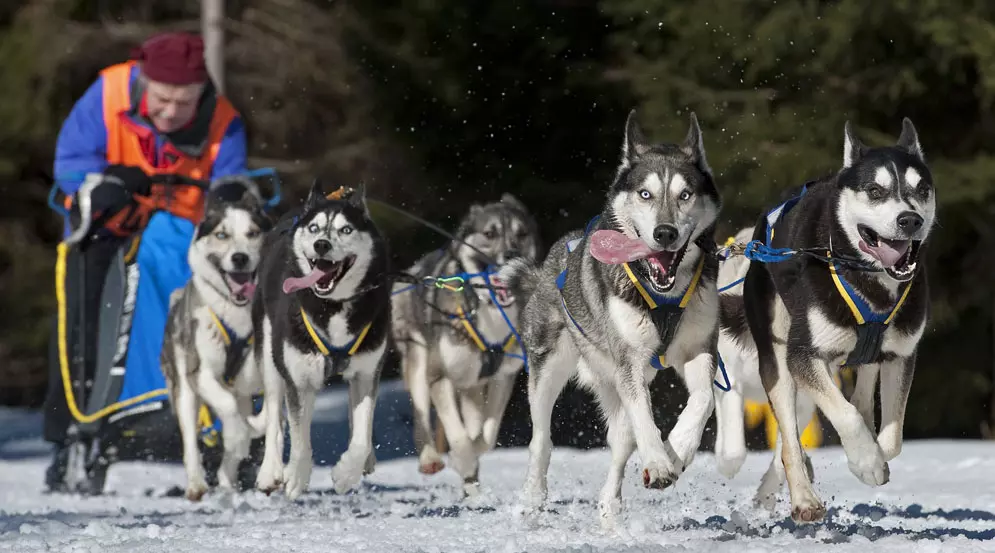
x,y
853,148
694,147
909,139
357,199
634,144
314,196
509,199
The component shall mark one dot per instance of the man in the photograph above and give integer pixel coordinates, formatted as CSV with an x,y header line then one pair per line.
x,y
158,113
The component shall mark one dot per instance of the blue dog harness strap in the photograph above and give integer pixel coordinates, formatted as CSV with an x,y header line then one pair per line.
x,y
871,323
237,348
666,312
336,359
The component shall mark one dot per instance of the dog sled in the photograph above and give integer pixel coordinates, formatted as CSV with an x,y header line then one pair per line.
x,y
113,413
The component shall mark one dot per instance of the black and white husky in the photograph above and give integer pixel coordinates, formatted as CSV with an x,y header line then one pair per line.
x,y
633,294
205,355
323,309
807,316
454,346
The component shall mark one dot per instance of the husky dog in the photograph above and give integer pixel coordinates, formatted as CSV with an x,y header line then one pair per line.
x,y
863,304
454,345
633,294
744,377
205,354
323,309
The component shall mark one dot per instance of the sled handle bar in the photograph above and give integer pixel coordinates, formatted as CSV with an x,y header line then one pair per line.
x,y
92,180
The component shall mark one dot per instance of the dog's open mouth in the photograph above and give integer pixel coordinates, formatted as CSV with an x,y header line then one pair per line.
x,y
502,294
241,287
898,257
662,267
324,275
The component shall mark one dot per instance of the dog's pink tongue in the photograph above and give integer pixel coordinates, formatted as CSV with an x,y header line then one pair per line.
x,y
613,247
247,290
294,284
887,253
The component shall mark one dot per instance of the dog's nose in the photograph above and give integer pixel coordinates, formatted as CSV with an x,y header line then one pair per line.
x,y
665,235
910,222
321,247
239,260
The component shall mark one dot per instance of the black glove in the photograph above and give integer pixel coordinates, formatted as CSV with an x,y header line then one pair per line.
x,y
110,196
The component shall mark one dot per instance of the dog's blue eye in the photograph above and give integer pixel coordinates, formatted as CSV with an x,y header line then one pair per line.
x,y
644,194
685,196
313,228
221,235
346,230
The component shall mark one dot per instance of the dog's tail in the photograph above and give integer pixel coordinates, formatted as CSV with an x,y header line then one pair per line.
x,y
521,277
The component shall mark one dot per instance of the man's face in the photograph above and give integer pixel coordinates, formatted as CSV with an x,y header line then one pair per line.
x,y
172,106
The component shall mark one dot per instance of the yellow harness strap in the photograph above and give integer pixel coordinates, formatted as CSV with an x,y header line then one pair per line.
x,y
649,299
322,346
475,336
852,304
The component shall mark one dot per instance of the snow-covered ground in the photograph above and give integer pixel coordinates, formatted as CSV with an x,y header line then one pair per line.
x,y
941,498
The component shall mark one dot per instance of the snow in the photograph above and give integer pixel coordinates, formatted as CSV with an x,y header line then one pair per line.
x,y
941,497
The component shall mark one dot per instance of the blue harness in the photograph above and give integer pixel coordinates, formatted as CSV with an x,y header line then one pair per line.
x,y
666,312
871,323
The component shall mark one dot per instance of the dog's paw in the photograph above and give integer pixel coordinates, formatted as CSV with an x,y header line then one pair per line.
x,y
298,475
610,513
729,462
659,475
808,509
270,478
464,459
371,464
196,487
869,466
429,462
348,472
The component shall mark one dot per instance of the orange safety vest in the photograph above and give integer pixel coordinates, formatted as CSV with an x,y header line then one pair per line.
x,y
124,148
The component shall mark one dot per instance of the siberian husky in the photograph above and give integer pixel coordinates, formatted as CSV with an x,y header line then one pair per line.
x,y
322,310
612,305
455,346
206,355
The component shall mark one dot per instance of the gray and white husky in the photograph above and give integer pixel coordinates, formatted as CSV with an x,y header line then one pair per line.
x,y
806,317
206,355
454,346
631,295
322,310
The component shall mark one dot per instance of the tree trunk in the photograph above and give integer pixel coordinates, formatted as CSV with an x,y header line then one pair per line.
x,y
212,27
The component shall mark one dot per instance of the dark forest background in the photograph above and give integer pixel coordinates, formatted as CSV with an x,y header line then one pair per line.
x,y
439,103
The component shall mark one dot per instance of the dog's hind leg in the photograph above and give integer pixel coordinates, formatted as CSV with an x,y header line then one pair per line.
x,y
896,380
416,367
234,429
499,390
298,472
363,387
622,442
551,370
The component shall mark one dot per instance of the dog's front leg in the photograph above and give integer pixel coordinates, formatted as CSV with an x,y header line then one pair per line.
x,y
730,435
698,374
186,407
234,429
348,472
896,381
658,464
499,391
301,462
462,453
416,367
270,475
863,393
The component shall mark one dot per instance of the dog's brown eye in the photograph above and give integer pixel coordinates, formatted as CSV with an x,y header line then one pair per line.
x,y
875,193
252,234
490,234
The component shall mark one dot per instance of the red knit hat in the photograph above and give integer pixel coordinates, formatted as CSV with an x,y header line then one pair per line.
x,y
173,58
